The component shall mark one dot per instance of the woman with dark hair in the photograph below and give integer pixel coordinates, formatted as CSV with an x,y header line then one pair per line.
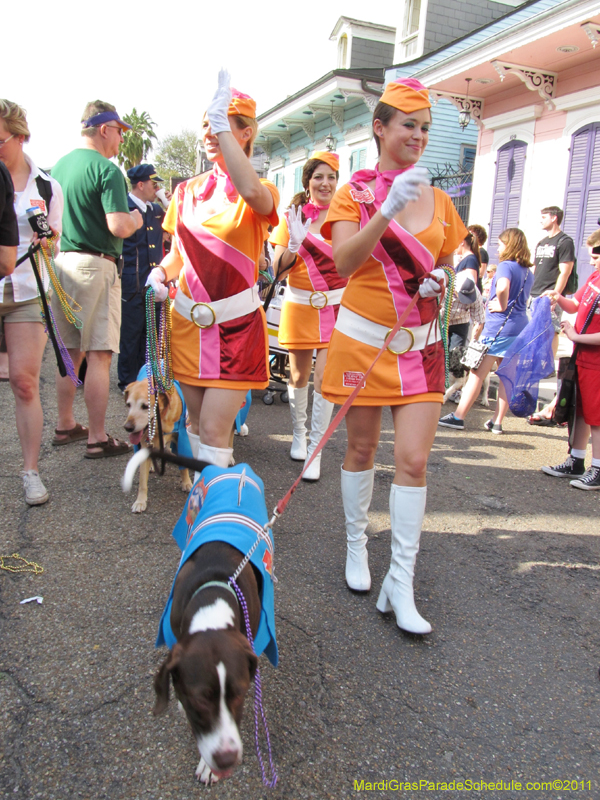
x,y
311,300
470,260
389,232
484,257
505,318
219,222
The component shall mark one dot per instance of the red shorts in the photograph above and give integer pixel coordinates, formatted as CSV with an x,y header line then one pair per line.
x,y
588,395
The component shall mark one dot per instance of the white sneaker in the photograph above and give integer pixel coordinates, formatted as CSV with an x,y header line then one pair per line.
x,y
35,491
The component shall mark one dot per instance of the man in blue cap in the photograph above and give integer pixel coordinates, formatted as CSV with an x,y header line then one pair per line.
x,y
96,220
141,252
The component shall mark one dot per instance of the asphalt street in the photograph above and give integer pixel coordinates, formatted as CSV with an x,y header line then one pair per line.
x,y
505,689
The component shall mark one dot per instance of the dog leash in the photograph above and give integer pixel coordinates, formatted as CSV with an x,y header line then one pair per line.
x,y
281,505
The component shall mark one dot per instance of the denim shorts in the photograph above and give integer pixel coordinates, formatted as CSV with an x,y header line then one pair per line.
x,y
500,346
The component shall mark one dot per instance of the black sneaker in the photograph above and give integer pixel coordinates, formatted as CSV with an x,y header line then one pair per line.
x,y
492,426
589,481
450,421
570,468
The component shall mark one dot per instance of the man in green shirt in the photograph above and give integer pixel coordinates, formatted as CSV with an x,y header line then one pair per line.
x,y
96,219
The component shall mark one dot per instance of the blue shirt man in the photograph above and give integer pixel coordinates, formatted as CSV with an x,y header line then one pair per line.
x,y
141,252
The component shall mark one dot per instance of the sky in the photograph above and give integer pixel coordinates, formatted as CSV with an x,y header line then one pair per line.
x,y
162,58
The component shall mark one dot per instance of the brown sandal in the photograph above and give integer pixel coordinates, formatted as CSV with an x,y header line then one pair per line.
x,y
111,447
74,435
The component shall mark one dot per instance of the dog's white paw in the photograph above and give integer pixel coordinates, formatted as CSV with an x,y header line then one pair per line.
x,y
186,484
484,402
204,773
139,506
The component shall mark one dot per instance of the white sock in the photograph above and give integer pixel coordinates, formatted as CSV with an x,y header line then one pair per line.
x,y
595,462
577,453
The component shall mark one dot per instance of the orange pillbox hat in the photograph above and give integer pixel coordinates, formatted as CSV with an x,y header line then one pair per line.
x,y
241,104
407,95
327,157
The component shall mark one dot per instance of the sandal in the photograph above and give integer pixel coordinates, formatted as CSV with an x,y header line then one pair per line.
x,y
111,447
74,435
538,419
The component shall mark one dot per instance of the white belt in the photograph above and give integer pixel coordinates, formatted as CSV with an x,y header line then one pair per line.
x,y
205,315
318,299
373,334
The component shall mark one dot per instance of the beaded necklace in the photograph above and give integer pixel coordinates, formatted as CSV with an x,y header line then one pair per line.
x,y
159,368
445,318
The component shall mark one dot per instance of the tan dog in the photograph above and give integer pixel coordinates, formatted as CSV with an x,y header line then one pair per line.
x,y
170,409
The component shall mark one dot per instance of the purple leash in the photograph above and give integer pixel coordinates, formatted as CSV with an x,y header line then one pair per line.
x,y
258,704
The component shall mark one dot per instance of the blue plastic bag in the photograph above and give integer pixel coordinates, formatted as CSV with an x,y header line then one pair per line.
x,y
528,360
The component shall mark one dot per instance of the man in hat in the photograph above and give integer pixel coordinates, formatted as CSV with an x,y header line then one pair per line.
x,y
141,253
96,219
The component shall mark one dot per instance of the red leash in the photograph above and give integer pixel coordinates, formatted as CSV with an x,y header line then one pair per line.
x,y
281,505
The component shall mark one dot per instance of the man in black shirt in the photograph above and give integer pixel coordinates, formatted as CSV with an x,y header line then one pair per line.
x,y
9,231
554,259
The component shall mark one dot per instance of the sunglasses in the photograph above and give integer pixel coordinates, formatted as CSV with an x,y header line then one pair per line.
x,y
596,250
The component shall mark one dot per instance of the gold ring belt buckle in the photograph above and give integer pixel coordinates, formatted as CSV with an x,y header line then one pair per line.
x,y
406,349
320,295
204,305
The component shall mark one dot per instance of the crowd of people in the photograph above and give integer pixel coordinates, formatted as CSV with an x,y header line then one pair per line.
x,y
354,259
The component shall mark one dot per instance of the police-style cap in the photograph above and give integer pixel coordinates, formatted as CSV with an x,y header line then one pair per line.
x,y
143,172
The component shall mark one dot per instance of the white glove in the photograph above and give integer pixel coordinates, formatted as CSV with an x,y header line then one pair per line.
x,y
404,189
297,228
155,282
430,287
219,105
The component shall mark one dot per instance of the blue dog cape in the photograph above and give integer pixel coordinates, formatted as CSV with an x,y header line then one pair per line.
x,y
228,505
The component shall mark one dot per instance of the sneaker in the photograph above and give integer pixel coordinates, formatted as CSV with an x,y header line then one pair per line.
x,y
570,468
35,491
590,480
450,421
492,426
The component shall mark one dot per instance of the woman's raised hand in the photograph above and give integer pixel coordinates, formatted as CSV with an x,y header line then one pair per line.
x,y
297,229
405,188
219,105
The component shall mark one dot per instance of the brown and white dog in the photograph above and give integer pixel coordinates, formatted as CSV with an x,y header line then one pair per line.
x,y
211,664
459,373
170,409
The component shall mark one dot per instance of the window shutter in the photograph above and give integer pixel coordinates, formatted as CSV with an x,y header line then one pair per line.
x,y
582,195
506,203
362,159
298,180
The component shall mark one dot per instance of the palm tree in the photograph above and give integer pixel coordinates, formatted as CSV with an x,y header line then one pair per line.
x,y
137,142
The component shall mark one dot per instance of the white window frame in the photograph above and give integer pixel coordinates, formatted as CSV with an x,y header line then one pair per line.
x,y
418,35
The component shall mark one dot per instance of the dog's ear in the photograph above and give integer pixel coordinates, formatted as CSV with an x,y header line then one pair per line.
x,y
126,393
163,402
161,681
252,658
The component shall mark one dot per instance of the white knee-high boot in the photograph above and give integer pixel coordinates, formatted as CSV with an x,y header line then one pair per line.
x,y
407,509
321,416
194,444
357,490
298,401
219,456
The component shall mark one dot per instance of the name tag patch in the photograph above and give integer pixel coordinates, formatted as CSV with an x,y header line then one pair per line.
x,y
364,196
38,204
353,379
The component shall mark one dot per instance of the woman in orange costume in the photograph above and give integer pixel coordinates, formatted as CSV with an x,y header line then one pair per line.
x,y
389,231
219,222
311,302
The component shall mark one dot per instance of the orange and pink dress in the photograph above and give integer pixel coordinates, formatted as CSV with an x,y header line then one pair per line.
x,y
376,296
219,331
312,295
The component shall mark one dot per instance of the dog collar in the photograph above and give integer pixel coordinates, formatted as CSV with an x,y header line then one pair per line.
x,y
222,584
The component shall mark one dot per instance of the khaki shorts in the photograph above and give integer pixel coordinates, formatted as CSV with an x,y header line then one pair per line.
x,y
92,282
11,311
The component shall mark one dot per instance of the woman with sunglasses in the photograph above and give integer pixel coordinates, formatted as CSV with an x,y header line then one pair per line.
x,y
19,307
219,223
390,232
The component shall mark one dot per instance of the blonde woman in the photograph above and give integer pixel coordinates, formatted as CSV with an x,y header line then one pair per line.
x,y
19,308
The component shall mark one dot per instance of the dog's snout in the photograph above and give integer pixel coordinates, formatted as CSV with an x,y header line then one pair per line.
x,y
227,758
